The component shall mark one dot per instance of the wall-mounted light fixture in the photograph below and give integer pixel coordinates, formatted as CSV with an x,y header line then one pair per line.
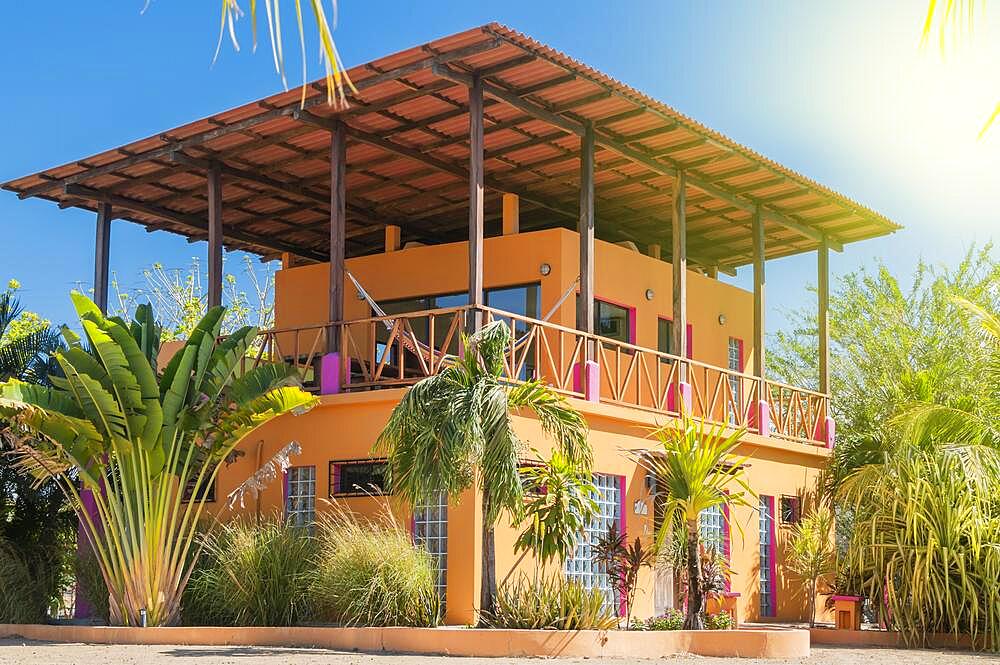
x,y
649,294
545,269
722,319
360,295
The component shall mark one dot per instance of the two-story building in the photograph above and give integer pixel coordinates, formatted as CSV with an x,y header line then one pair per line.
x,y
485,176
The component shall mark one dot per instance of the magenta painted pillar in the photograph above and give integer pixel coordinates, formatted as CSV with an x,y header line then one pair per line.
x,y
829,432
760,417
82,609
587,380
329,374
682,389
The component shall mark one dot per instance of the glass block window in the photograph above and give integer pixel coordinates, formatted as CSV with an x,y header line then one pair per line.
x,y
364,477
766,563
712,527
430,529
735,358
300,495
581,566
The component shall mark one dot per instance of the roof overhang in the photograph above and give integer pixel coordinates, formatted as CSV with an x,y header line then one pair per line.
x,y
407,156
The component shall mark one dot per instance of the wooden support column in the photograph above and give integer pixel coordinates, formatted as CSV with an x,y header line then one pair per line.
x,y
511,214
338,220
393,238
214,236
477,200
757,228
679,264
102,247
585,305
823,301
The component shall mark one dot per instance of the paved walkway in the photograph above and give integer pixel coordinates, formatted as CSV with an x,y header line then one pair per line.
x,y
47,653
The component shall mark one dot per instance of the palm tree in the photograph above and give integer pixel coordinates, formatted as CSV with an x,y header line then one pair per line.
x,y
336,74
695,470
138,442
26,346
454,430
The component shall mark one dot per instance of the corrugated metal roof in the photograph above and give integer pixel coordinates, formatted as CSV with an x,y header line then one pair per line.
x,y
408,150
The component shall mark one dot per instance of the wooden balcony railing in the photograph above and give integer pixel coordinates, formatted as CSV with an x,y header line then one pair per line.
x,y
401,349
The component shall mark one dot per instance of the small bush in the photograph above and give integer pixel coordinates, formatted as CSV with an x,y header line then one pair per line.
x,y
91,585
371,574
720,621
672,619
550,602
21,599
251,573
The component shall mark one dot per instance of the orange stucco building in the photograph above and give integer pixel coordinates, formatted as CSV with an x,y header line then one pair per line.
x,y
481,177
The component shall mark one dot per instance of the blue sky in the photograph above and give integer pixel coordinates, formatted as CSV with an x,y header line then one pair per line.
x,y
839,91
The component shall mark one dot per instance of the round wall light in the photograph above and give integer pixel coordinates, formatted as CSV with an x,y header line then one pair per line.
x,y
722,319
649,294
545,269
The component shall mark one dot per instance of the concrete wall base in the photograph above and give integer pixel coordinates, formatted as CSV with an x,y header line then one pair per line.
x,y
883,638
765,643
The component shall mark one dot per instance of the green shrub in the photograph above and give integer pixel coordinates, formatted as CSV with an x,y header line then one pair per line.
x,y
720,621
550,602
91,585
672,619
21,599
370,573
251,573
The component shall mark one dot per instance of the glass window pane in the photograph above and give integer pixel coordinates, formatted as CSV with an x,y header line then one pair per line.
x,y
612,321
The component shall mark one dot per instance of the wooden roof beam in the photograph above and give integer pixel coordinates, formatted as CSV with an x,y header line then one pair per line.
x,y
191,221
573,127
266,116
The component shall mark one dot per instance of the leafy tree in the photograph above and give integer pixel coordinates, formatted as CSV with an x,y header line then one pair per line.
x,y
695,469
455,431
137,441
812,554
36,525
559,505
180,300
892,344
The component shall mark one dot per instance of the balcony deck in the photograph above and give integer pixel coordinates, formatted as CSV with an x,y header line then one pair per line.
x,y
399,350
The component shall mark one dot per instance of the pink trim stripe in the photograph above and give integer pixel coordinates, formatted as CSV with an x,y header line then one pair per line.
x,y
773,556
622,528
726,539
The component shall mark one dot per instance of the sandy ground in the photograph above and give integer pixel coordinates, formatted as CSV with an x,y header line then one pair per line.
x,y
46,653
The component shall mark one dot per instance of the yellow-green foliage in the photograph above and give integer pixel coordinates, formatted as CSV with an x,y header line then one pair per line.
x,y
812,554
550,602
251,573
370,573
927,539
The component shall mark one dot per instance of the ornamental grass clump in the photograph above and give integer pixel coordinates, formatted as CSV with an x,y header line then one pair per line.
x,y
926,544
370,573
22,600
252,573
550,602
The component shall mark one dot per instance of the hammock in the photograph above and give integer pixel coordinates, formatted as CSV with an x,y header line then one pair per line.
x,y
423,348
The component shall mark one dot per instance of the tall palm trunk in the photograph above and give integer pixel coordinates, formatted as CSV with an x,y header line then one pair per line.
x,y
488,590
812,603
695,599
